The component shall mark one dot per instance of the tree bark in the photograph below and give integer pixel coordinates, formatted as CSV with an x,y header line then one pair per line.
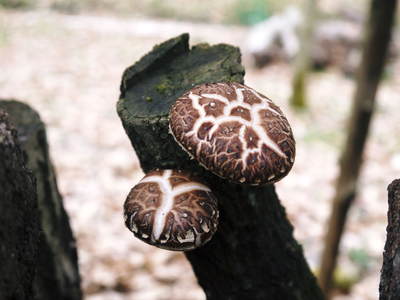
x,y
378,34
253,255
298,99
19,218
389,288
57,275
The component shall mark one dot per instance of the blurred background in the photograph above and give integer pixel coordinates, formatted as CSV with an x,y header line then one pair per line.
x,y
65,58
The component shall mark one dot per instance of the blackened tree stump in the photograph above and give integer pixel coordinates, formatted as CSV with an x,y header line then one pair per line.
x,y
253,254
19,218
389,288
57,274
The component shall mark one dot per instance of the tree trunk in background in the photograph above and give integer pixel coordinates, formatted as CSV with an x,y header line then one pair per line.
x,y
298,99
389,288
19,218
379,28
253,255
57,275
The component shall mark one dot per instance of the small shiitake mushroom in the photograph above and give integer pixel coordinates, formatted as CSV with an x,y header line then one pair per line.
x,y
235,132
171,210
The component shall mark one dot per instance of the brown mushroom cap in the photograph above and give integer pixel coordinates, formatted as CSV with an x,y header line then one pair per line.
x,y
235,132
171,210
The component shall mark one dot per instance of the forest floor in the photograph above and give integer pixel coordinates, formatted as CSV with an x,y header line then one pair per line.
x,y
69,69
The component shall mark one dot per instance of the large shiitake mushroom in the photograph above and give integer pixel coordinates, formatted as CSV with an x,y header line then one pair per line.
x,y
235,132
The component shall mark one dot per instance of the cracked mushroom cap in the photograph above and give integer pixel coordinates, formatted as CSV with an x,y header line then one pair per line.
x,y
171,210
235,132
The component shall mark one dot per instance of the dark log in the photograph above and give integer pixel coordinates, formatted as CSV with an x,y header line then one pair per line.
x,y
57,275
389,287
253,255
378,35
19,218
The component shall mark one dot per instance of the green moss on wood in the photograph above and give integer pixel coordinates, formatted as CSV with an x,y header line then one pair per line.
x,y
165,87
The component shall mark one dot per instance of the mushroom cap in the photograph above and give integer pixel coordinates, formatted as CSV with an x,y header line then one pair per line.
x,y
235,132
171,210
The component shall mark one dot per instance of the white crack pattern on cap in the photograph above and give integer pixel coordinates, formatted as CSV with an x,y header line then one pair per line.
x,y
250,126
170,210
